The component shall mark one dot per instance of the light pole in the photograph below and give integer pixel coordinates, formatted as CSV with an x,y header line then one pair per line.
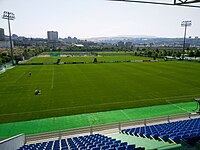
x,y
185,24
9,16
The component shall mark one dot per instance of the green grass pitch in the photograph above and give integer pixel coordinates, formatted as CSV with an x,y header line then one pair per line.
x,y
77,89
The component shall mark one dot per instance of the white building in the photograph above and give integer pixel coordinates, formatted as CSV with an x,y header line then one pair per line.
x,y
52,36
5,44
2,36
79,45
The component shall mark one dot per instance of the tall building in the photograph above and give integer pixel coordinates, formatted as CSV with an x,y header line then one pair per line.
x,y
52,36
2,36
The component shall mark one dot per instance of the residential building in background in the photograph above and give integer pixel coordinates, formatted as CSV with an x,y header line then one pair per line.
x,y
4,43
128,44
120,44
52,36
2,35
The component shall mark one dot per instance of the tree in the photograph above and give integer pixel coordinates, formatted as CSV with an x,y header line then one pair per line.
x,y
5,58
1,61
95,60
156,55
178,54
197,53
149,53
138,49
191,53
135,53
157,50
169,53
164,53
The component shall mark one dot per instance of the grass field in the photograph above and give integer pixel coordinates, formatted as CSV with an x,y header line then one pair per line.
x,y
77,89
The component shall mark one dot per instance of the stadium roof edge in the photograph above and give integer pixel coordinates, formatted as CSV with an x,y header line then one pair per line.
x,y
184,3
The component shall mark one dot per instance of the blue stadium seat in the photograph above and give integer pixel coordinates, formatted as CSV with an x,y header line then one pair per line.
x,y
123,144
92,142
130,147
111,148
104,147
95,148
121,148
189,130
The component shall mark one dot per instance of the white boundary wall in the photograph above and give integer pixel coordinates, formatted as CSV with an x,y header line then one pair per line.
x,y
13,143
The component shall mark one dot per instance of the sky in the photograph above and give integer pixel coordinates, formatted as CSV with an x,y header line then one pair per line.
x,y
97,18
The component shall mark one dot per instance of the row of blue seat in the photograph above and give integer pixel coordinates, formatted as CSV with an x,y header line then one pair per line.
x,y
174,131
88,142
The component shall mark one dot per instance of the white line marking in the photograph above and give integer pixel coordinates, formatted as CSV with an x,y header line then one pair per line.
x,y
125,114
177,106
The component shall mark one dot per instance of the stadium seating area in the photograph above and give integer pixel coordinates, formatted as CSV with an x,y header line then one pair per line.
x,y
187,131
184,134
90,142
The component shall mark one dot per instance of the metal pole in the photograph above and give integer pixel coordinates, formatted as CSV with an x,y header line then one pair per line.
x,y
91,130
145,122
184,41
119,127
189,115
60,135
174,2
11,47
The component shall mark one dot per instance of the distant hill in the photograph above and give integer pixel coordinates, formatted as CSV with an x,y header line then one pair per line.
x,y
119,38
145,39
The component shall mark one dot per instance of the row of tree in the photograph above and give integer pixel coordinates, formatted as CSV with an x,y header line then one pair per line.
x,y
161,53
88,49
27,53
158,52
19,54
4,58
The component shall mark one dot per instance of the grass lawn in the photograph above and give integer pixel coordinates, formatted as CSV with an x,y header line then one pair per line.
x,y
77,89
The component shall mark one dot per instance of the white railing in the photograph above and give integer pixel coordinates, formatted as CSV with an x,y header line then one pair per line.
x,y
107,128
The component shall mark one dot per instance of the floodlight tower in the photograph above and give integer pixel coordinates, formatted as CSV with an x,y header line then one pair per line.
x,y
185,24
9,16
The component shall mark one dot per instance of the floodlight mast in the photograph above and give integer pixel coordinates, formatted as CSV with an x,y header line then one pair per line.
x,y
185,24
9,16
